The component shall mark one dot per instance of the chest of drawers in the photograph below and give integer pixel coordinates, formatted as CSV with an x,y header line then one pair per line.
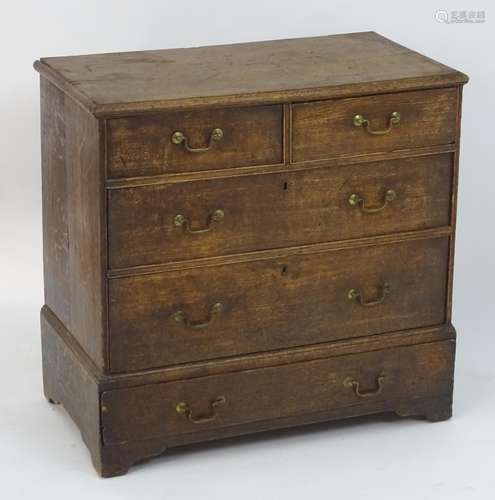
x,y
247,237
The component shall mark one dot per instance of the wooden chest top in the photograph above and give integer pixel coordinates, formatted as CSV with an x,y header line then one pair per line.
x,y
271,72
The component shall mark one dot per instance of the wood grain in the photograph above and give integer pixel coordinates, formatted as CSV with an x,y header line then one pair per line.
x,y
274,304
117,269
225,173
143,146
272,71
149,412
325,129
276,211
69,379
72,219
110,381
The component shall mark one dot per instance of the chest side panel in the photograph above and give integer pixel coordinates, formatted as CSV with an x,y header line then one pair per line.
x,y
72,219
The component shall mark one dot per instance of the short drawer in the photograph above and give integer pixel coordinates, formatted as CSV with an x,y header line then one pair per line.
x,y
204,313
172,222
378,123
372,378
197,140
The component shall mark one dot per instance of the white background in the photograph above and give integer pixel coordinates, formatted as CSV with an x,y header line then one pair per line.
x,y
41,453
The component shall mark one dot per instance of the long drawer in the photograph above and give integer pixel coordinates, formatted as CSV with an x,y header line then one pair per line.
x,y
370,124
172,222
170,409
204,313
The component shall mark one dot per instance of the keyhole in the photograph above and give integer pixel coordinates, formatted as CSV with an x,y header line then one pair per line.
x,y
286,186
284,270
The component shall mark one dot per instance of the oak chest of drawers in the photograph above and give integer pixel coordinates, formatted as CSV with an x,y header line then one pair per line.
x,y
246,237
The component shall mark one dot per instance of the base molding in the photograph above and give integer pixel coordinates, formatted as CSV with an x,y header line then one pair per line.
x,y
69,382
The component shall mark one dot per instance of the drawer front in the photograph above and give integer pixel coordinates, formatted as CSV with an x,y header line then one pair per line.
x,y
205,313
328,129
276,210
211,139
168,409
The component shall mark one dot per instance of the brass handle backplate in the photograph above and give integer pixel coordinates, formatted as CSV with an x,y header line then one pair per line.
x,y
355,294
360,120
183,409
181,317
179,137
354,384
356,200
182,221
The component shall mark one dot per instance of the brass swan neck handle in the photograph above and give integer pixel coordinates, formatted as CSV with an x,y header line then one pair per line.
x,y
179,137
360,120
215,217
354,384
357,295
183,408
181,317
356,200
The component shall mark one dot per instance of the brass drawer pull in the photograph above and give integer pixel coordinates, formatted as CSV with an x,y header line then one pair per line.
x,y
181,317
357,200
183,409
355,294
354,384
182,221
179,137
360,120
